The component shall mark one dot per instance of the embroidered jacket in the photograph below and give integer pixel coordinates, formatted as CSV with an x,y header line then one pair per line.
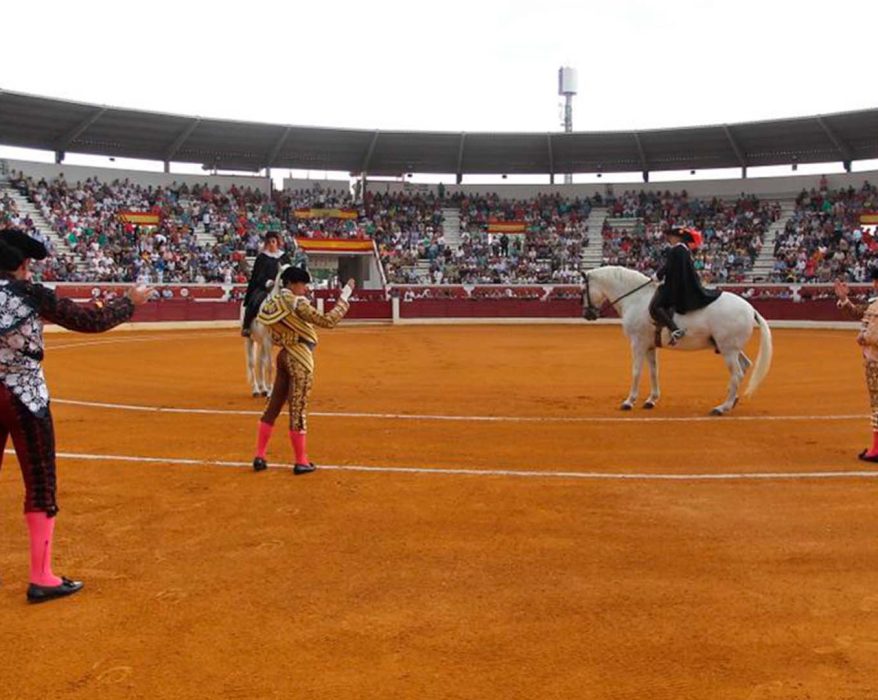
x,y
868,337
23,305
291,320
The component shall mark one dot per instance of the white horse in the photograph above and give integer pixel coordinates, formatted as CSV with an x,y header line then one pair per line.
x,y
257,348
724,326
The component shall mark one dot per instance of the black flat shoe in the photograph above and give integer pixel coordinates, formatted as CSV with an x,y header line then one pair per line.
x,y
866,458
304,468
259,464
42,594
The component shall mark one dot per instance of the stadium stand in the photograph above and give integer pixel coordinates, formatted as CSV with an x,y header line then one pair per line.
x,y
209,234
825,239
734,231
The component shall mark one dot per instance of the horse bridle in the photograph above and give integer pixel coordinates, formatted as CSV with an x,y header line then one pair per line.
x,y
592,312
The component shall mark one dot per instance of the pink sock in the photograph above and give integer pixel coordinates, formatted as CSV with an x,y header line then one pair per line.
x,y
297,437
262,438
41,528
874,449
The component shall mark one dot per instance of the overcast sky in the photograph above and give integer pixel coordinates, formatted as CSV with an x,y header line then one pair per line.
x,y
477,65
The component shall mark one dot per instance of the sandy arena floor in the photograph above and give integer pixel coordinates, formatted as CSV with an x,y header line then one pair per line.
x,y
542,572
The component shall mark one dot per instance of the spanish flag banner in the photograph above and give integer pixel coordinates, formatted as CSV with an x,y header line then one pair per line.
x,y
325,213
869,218
357,246
507,227
140,218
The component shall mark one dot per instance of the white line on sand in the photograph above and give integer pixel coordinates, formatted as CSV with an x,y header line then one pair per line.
x,y
451,471
472,419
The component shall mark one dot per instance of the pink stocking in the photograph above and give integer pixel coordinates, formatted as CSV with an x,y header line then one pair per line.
x,y
298,438
42,529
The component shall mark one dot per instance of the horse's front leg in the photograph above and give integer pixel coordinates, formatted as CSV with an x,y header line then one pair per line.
x,y
736,374
265,352
251,373
637,354
655,392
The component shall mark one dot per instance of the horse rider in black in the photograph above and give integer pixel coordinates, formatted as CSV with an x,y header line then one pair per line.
x,y
680,290
265,269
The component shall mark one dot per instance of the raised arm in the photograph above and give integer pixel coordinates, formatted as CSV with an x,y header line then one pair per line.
x,y
848,308
82,318
308,313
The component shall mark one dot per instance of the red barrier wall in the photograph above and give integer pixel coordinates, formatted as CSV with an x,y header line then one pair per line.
x,y
459,302
187,310
366,310
489,308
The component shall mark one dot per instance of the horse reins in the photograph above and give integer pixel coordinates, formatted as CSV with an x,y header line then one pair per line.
x,y
592,312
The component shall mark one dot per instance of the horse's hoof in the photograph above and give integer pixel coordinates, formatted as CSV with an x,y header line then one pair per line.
x,y
717,412
263,393
626,406
649,405
255,394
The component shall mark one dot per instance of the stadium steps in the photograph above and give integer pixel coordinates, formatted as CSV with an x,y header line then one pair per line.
x,y
422,271
764,262
58,243
451,227
205,240
593,254
627,224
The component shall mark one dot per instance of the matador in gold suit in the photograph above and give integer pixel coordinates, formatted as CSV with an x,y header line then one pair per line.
x,y
867,339
291,319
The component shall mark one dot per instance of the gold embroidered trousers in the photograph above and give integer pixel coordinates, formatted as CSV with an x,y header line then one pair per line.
x,y
292,386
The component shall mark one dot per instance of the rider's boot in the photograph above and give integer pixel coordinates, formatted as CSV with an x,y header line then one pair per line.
x,y
666,318
676,335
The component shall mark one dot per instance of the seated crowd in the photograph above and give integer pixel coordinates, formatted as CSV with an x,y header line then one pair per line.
x,y
87,217
407,227
825,240
56,266
205,234
544,245
734,231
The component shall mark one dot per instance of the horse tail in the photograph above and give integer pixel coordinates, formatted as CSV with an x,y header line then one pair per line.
x,y
763,360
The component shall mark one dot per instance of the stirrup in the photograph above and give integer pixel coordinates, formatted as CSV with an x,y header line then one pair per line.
x,y
676,336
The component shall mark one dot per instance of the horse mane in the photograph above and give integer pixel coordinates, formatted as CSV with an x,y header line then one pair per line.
x,y
622,274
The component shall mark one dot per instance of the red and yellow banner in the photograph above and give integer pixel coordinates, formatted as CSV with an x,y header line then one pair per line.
x,y
325,213
507,227
335,245
140,218
869,218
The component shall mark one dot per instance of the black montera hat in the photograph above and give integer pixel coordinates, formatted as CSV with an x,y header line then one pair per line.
x,y
10,258
295,274
27,246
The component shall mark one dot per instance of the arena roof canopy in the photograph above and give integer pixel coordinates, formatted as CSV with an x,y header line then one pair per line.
x,y
63,126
